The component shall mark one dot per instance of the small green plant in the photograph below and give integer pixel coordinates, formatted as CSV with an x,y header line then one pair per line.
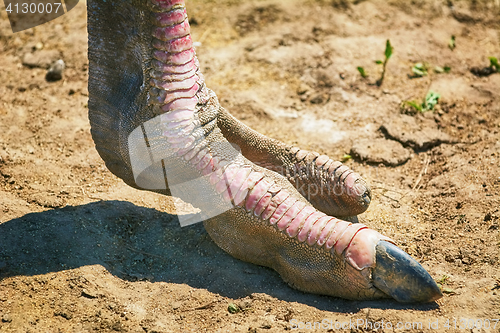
x,y
448,291
420,69
439,69
233,308
451,43
494,63
346,158
417,106
430,101
361,71
388,53
443,280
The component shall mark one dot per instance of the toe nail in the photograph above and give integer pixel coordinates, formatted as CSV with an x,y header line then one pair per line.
x,y
399,275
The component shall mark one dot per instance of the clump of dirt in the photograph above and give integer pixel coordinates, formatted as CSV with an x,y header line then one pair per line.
x,y
257,18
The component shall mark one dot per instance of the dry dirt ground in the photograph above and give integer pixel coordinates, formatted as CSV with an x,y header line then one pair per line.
x,y
82,252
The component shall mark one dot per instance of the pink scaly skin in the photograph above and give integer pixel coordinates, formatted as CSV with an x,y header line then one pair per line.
x,y
268,223
289,216
328,185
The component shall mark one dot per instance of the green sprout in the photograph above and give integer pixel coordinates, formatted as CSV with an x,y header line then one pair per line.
x,y
420,69
448,291
451,43
361,71
388,53
439,69
346,158
443,280
494,63
414,105
430,101
233,308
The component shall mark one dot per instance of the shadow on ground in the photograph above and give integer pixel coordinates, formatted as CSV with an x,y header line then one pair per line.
x,y
137,243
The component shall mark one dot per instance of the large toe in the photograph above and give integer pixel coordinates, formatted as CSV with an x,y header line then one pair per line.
x,y
402,277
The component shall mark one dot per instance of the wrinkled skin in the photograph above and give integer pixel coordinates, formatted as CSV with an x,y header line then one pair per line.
x,y
159,128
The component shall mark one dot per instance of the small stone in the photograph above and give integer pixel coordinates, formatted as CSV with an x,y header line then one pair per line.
x,y
55,71
7,318
88,294
487,217
261,297
317,99
303,88
481,120
65,315
428,115
176,305
376,151
244,304
41,59
421,134
266,326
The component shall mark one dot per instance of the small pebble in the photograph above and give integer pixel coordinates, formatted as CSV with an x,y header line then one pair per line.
x,y
55,71
380,151
266,325
303,88
317,99
88,294
6,318
244,304
41,58
176,305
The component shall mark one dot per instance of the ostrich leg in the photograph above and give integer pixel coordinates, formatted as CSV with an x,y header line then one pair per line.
x,y
156,125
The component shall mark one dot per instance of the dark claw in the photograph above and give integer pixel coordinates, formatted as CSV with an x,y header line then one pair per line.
x,y
402,277
366,198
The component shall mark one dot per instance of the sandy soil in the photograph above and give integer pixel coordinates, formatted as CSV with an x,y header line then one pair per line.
x,y
81,252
